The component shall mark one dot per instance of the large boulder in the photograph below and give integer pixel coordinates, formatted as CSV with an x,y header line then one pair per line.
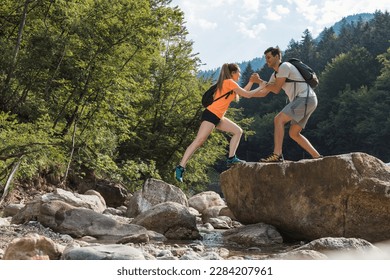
x,y
77,221
113,193
337,196
253,235
152,193
80,222
171,219
91,199
339,245
204,200
33,246
103,252
32,210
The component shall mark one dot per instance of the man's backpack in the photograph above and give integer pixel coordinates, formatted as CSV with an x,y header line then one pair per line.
x,y
208,96
307,73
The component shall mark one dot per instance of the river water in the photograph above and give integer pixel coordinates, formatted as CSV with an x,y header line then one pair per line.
x,y
214,239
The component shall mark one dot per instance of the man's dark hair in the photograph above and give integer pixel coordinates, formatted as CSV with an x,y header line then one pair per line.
x,y
274,51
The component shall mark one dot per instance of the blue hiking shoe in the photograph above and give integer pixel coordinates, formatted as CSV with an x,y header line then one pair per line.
x,y
179,173
234,160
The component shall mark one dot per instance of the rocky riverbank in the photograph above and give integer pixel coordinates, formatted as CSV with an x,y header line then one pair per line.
x,y
34,241
158,222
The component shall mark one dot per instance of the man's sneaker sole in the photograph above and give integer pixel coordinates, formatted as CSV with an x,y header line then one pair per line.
x,y
272,159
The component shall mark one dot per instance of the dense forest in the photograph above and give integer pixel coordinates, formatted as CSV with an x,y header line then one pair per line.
x,y
110,89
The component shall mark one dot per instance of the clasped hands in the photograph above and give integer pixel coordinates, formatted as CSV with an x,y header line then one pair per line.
x,y
255,78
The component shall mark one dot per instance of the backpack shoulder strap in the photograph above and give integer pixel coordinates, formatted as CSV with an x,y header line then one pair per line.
x,y
276,72
226,94
287,79
294,81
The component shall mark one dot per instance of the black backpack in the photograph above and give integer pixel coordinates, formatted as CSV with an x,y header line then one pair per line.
x,y
307,73
208,96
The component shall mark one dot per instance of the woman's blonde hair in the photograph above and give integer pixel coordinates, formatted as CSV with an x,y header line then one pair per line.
x,y
227,70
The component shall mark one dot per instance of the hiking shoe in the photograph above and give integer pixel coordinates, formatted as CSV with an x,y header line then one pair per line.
x,y
179,173
273,158
233,160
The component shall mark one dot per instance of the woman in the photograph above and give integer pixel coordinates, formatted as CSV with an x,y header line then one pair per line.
x,y
214,116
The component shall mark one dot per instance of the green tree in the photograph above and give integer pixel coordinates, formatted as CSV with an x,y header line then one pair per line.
x,y
304,50
348,102
92,75
246,75
326,48
374,128
353,69
374,35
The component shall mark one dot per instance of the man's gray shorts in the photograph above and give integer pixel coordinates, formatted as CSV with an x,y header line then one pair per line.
x,y
296,110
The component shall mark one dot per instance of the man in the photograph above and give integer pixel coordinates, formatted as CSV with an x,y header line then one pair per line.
x,y
303,102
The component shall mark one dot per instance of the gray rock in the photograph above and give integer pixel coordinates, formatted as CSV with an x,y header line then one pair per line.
x,y
204,200
152,193
171,219
103,252
114,194
253,235
5,222
299,255
340,247
32,210
77,222
33,246
337,196
11,210
91,199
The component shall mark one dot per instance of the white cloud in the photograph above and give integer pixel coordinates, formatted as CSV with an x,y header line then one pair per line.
x,y
282,10
277,13
323,13
205,24
213,3
241,26
253,31
251,5
332,11
271,15
308,10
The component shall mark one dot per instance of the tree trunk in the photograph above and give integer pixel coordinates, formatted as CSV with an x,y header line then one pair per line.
x,y
9,180
16,52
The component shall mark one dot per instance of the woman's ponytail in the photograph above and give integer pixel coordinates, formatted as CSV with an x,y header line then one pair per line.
x,y
226,73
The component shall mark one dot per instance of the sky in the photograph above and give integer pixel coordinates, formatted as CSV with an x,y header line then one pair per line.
x,y
240,30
